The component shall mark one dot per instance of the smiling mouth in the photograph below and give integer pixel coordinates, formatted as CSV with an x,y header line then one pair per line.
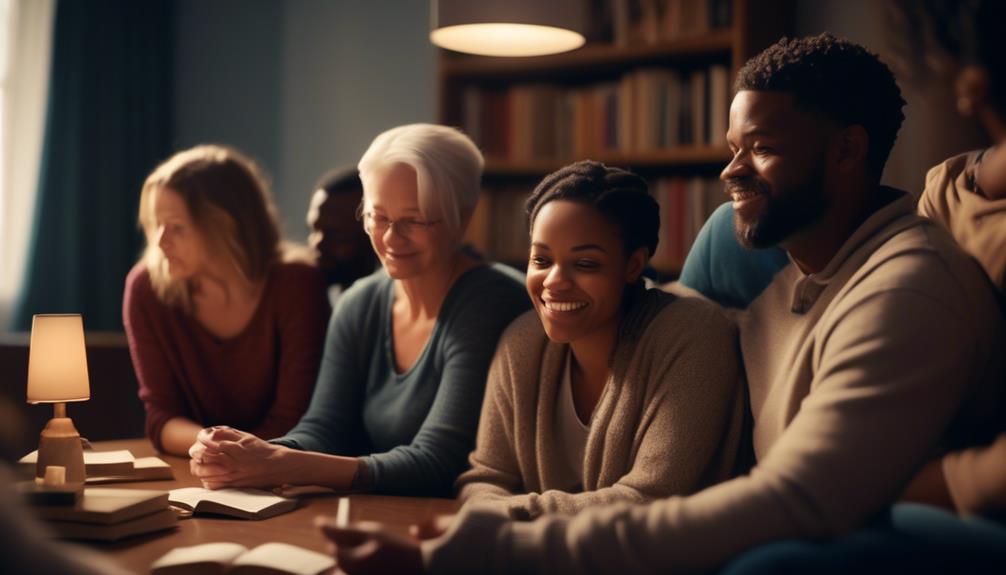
x,y
739,195
564,306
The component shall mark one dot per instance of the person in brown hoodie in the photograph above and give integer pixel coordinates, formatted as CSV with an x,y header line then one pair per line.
x,y
879,344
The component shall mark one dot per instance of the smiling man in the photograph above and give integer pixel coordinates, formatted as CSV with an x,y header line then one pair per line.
x,y
876,347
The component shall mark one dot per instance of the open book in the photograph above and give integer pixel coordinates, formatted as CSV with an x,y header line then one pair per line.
x,y
241,503
235,559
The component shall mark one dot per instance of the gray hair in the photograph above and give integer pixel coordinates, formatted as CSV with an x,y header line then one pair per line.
x,y
447,163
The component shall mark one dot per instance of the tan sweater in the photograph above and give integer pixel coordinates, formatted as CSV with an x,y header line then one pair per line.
x,y
975,477
669,420
855,374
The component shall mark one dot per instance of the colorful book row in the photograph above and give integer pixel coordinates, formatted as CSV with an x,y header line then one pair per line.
x,y
647,109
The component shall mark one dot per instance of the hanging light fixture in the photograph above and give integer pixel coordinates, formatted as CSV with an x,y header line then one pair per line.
x,y
508,27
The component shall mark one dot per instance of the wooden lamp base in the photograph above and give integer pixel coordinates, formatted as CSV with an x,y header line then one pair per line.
x,y
59,444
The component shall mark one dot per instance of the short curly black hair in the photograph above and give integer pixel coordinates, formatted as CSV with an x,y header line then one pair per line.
x,y
837,78
619,195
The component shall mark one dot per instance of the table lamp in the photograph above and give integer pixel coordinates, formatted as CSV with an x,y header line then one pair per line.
x,y
57,374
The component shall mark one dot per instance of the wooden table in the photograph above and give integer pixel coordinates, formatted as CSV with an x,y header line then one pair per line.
x,y
296,527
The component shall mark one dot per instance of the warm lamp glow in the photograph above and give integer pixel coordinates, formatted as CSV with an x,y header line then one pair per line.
x,y
57,364
507,39
508,27
57,373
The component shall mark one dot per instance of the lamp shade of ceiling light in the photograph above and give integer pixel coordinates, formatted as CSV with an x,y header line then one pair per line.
x,y
57,361
508,27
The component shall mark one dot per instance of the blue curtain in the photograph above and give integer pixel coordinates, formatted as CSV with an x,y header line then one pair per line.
x,y
108,123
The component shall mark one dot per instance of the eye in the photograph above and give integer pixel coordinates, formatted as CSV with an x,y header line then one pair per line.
x,y
762,150
588,265
540,261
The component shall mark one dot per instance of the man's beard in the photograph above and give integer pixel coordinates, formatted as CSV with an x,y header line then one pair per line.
x,y
786,212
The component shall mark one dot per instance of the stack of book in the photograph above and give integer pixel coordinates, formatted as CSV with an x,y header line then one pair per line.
x,y
113,467
103,514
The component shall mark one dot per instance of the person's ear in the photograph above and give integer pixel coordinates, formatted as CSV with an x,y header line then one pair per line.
x,y
972,87
851,145
636,264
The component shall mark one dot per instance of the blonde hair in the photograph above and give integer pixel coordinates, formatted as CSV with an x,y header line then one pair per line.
x,y
447,163
229,203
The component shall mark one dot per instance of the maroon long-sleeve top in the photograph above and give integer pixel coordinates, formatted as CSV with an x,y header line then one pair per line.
x,y
260,380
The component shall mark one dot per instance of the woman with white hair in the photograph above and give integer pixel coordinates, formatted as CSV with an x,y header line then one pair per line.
x,y
397,401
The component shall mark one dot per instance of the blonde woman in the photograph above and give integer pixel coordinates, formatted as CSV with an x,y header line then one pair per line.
x,y
221,330
397,402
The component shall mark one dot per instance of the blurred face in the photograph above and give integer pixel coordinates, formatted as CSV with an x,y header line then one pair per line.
x,y
338,238
407,243
577,271
181,242
776,178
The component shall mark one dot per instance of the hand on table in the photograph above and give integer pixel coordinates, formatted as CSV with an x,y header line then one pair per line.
x,y
432,528
367,547
227,457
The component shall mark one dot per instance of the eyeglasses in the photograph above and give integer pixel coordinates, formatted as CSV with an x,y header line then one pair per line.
x,y
378,224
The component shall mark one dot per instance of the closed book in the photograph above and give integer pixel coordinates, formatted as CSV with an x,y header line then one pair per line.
x,y
96,463
144,469
236,559
157,521
107,506
241,503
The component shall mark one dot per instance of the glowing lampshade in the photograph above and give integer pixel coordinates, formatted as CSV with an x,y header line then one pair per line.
x,y
57,364
508,27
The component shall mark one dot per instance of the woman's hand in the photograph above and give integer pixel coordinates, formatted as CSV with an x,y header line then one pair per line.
x,y
367,547
227,457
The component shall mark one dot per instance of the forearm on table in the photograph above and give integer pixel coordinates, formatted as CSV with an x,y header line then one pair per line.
x,y
178,435
311,468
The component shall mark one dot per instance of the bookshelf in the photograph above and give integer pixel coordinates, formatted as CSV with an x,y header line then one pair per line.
x,y
649,92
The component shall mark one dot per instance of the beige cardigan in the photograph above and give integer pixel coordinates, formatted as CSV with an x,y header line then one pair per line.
x,y
669,420
855,375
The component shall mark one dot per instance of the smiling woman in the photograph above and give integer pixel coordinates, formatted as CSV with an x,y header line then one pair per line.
x,y
607,391
396,405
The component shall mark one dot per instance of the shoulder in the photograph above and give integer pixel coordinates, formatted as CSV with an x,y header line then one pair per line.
x,y
692,318
138,289
526,327
949,169
289,274
367,296
922,263
945,182
493,289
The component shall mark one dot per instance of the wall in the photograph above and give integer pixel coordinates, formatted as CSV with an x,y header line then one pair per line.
x,y
932,130
301,85
304,85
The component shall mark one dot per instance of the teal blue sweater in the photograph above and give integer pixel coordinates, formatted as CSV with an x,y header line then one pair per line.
x,y
413,430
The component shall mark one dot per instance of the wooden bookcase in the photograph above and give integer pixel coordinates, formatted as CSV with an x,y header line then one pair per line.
x,y
531,116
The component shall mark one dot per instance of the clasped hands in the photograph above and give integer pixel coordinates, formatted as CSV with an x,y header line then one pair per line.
x,y
226,457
